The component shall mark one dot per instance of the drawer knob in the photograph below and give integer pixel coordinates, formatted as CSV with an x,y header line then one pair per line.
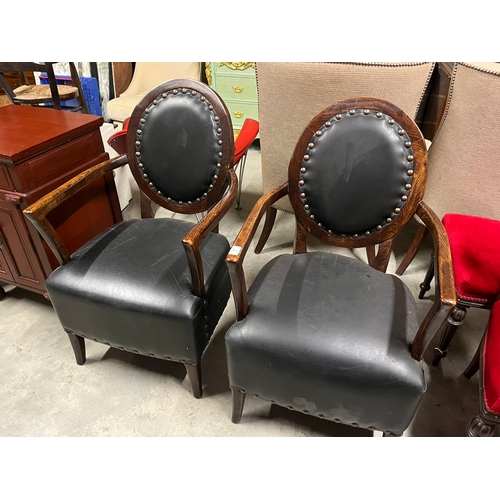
x,y
238,90
238,114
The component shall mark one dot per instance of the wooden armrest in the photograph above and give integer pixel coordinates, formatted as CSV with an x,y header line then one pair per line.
x,y
240,246
445,294
37,212
195,237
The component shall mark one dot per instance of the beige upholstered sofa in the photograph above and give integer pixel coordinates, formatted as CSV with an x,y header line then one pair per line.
x,y
146,76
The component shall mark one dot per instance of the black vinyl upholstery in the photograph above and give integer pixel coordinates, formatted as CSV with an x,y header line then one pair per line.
x,y
356,172
328,335
158,286
130,287
179,155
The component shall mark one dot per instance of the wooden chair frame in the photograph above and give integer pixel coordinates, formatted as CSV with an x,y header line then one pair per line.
x,y
445,299
55,97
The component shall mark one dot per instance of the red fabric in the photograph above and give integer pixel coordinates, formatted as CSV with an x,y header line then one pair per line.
x,y
118,141
247,135
475,253
491,362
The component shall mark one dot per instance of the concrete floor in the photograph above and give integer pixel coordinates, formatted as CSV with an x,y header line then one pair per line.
x,y
45,393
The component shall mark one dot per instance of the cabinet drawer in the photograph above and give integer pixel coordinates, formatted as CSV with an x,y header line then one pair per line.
x,y
244,89
234,68
239,111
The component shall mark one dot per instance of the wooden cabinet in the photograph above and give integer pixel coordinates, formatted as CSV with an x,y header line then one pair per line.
x,y
40,149
235,83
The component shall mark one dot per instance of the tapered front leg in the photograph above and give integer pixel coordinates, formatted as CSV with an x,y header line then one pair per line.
x,y
78,345
238,404
194,377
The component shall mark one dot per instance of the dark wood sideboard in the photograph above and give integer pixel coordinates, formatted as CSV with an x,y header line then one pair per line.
x,y
40,149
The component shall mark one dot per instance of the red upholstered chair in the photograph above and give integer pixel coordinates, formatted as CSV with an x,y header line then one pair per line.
x,y
245,138
247,135
483,425
475,252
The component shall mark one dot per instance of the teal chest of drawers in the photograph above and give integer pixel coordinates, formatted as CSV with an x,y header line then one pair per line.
x,y
235,83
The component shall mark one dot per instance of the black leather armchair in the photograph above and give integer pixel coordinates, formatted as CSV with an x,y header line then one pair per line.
x,y
158,286
327,334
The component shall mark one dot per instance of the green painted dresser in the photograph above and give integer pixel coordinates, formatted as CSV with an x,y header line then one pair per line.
x,y
235,83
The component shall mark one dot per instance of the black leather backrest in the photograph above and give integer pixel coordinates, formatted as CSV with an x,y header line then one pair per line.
x,y
356,173
179,145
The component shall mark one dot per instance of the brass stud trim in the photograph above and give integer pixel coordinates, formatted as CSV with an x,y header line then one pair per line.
x,y
328,124
404,198
301,183
410,172
184,91
366,112
379,115
379,228
410,158
302,195
338,117
388,219
318,133
397,210
352,112
306,157
303,170
401,131
391,121
310,145
408,186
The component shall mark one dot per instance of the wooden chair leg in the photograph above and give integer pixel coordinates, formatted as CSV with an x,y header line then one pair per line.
x,y
370,254
148,207
78,345
241,165
456,318
238,404
266,231
477,427
429,275
420,235
194,377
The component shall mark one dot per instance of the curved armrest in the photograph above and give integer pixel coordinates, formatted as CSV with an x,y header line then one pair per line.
x,y
195,237
234,260
445,294
37,212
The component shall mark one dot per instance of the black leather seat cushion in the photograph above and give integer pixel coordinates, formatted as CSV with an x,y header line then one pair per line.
x,y
130,287
329,335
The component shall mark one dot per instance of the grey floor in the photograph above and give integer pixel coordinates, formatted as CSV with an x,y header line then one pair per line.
x,y
43,392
